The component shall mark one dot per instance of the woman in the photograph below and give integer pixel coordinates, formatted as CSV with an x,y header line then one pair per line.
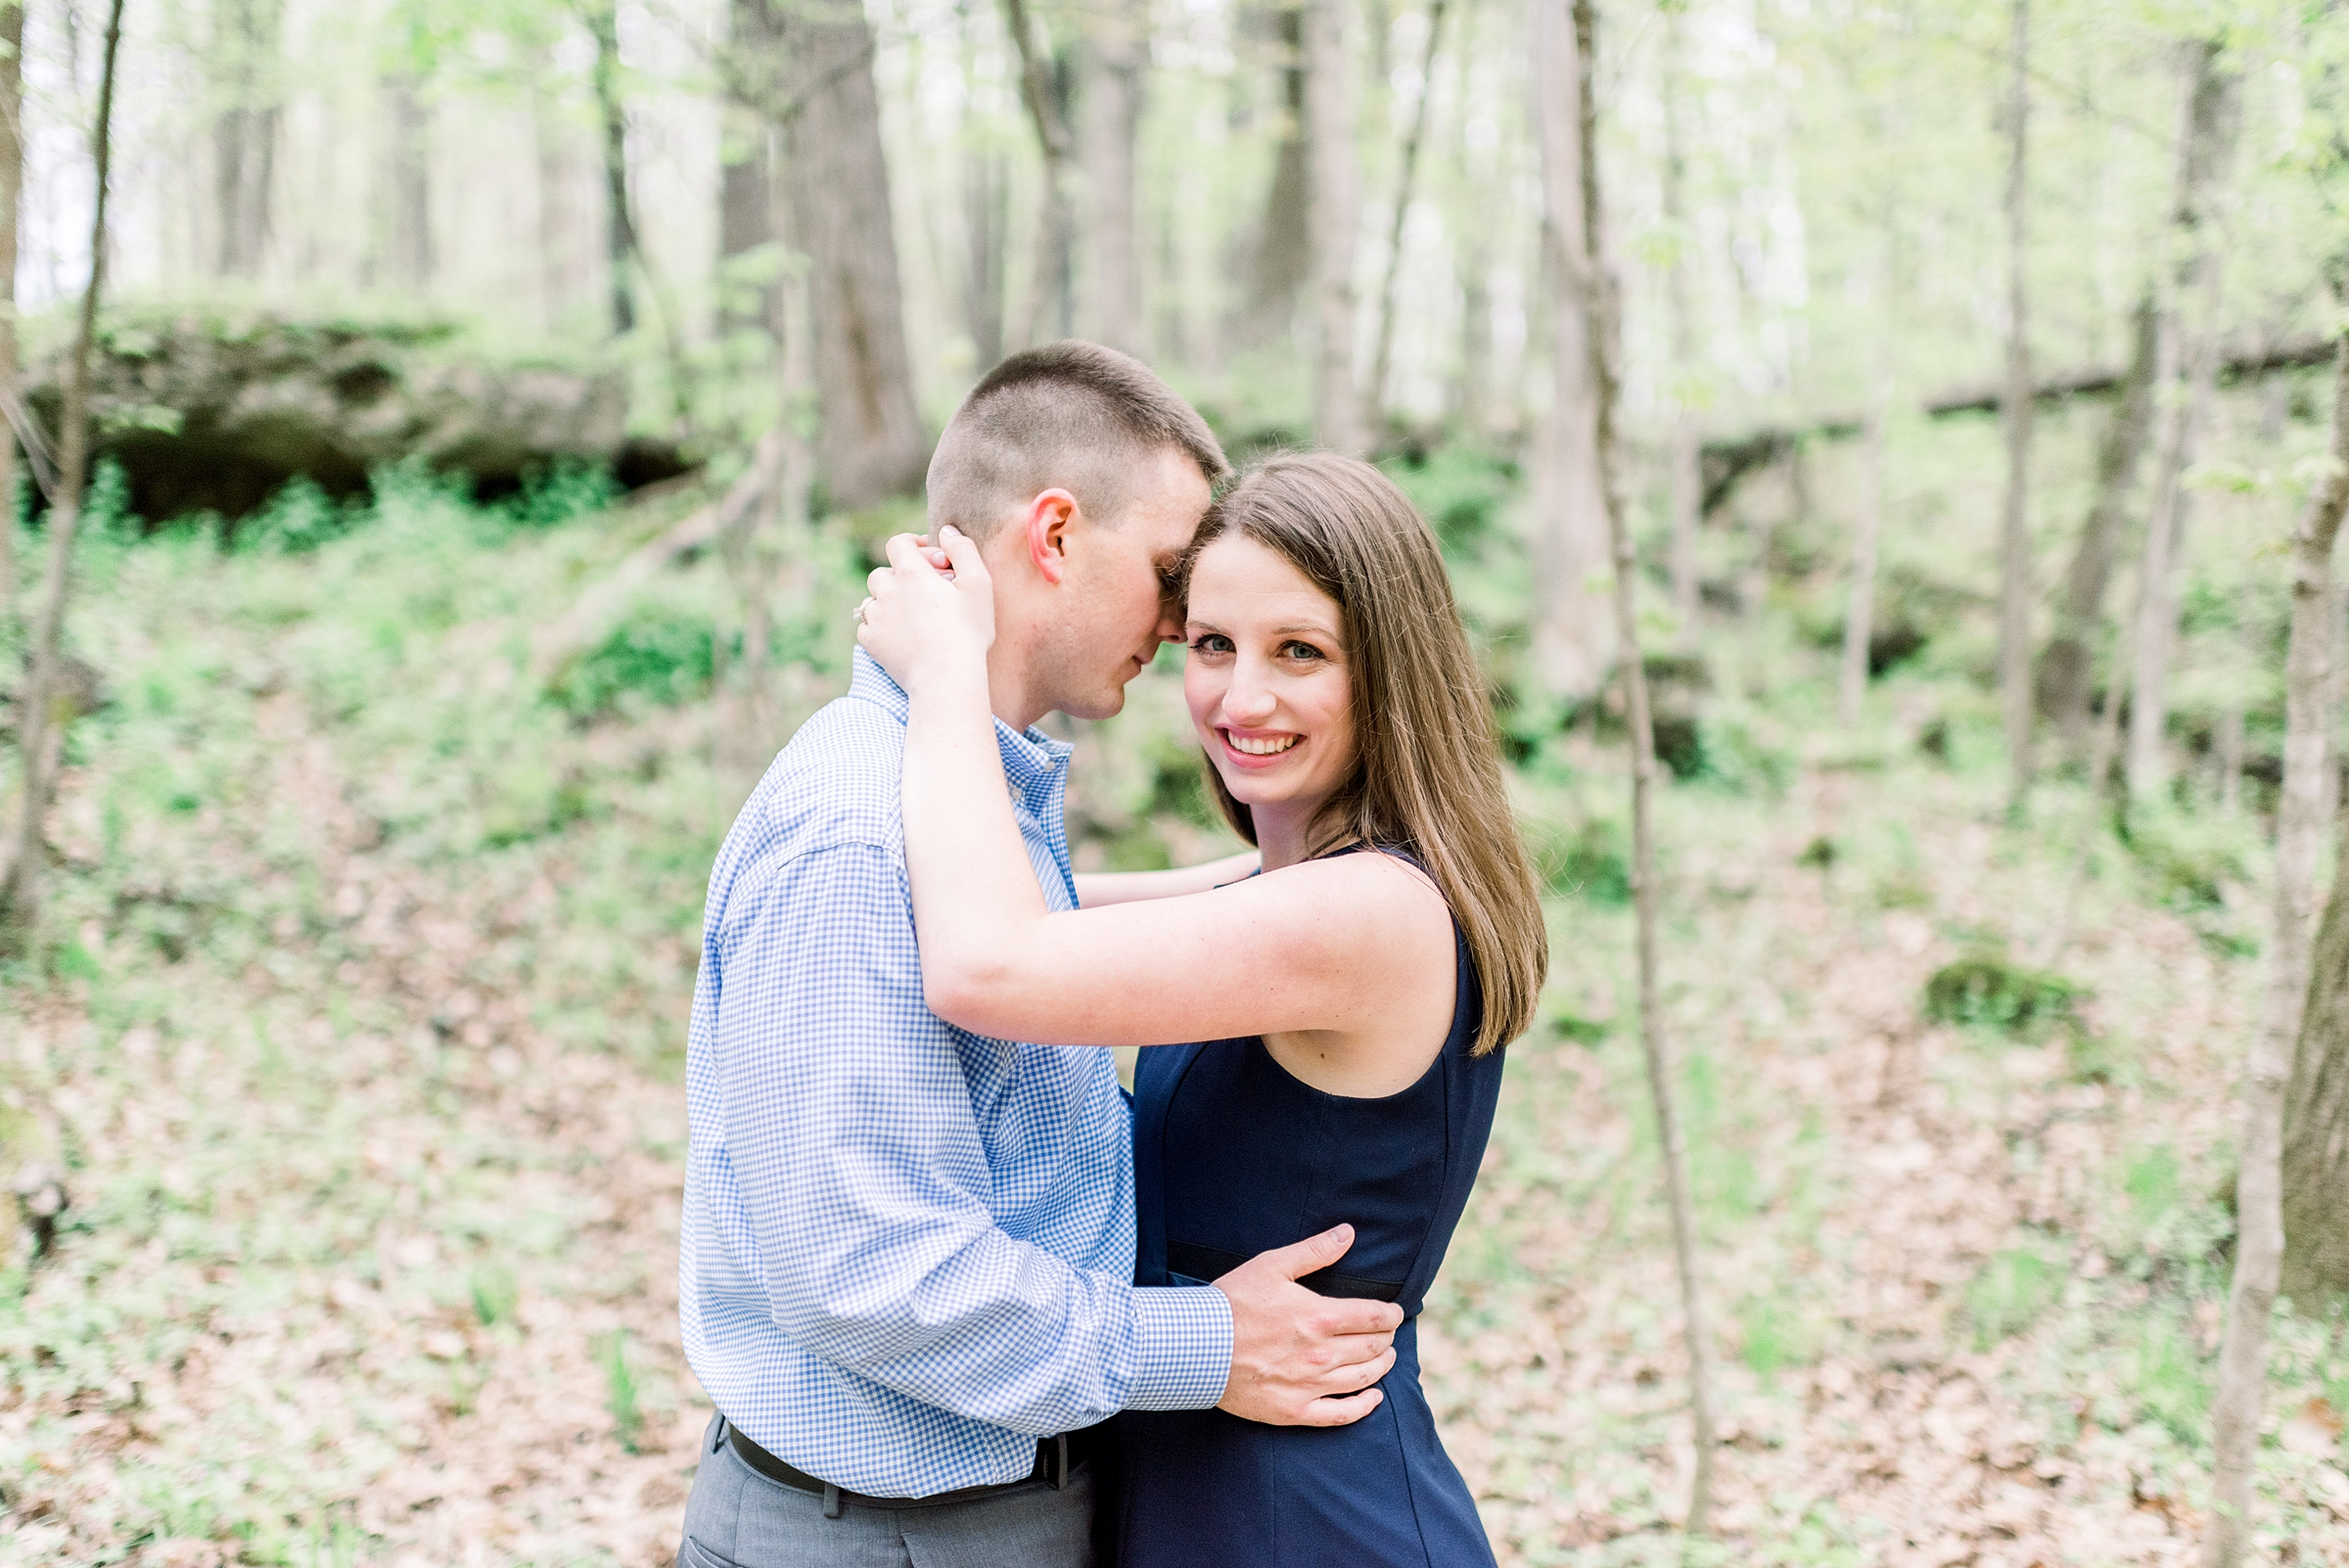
x,y
1352,998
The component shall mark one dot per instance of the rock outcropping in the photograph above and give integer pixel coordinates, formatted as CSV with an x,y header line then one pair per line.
x,y
212,412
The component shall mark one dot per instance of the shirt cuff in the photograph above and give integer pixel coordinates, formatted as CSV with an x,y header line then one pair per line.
x,y
1183,1348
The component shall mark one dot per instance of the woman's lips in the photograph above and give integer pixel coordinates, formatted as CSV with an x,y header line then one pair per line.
x,y
1280,744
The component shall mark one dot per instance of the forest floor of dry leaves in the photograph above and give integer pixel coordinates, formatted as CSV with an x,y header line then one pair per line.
x,y
358,1046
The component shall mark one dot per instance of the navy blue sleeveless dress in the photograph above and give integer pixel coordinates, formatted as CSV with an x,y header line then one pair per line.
x,y
1232,1157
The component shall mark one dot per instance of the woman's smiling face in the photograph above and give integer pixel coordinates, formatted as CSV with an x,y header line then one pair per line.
x,y
1266,677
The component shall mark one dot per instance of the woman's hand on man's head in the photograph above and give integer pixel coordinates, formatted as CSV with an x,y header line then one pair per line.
x,y
932,609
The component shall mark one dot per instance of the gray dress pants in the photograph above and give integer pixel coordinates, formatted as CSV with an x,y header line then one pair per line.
x,y
738,1518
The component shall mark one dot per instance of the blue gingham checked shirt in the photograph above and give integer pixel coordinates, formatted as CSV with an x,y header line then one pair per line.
x,y
907,1251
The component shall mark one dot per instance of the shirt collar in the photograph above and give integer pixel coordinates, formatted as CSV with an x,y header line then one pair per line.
x,y
1033,762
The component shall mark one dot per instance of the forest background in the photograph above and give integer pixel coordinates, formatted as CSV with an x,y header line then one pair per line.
x,y
1889,456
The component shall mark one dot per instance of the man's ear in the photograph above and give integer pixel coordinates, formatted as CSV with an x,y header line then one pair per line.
x,y
1051,515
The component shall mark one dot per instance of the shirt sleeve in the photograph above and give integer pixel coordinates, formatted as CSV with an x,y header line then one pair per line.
x,y
849,1122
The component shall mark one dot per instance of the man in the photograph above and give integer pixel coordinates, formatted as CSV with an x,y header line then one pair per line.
x,y
907,1252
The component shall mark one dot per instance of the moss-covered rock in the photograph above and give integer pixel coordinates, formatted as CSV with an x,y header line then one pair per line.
x,y
207,411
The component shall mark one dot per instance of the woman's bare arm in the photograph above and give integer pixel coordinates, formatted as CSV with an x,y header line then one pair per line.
x,y
1331,944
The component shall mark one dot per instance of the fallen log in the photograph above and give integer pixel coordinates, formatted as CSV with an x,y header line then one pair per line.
x,y
1727,459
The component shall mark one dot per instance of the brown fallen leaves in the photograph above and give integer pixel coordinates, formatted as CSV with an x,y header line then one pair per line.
x,y
373,1250
1879,1168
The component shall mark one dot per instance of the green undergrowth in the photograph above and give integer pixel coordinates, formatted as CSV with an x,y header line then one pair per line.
x,y
265,921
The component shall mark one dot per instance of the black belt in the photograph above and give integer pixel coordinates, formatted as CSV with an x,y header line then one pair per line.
x,y
1056,1459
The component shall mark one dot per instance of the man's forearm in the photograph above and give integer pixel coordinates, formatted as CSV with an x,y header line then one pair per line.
x,y
1097,888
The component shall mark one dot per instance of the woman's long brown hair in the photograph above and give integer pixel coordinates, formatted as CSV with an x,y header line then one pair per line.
x,y
1427,774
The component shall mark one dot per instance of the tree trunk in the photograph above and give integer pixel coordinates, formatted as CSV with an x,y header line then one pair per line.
x,y
2101,749
1572,626
1859,616
1686,480
1596,283
796,369
2212,103
2299,839
986,222
1472,394
2066,670
20,893
1283,254
2227,756
2334,690
2316,1120
872,444
12,185
2014,534
745,218
1331,199
1051,302
1117,61
408,252
2315,1174
620,224
1382,364
245,42
558,279
744,221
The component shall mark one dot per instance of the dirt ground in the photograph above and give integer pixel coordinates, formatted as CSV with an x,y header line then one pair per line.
x,y
366,1264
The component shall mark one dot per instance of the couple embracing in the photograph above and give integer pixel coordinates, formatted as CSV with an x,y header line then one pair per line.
x,y
959,1302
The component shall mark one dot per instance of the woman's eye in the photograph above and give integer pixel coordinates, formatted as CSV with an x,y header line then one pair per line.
x,y
1211,642
1300,650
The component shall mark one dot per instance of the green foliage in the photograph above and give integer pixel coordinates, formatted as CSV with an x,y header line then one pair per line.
x,y
2189,857
299,517
2167,1225
1588,858
1528,723
1462,490
2166,1375
562,492
106,506
1903,887
1987,989
660,653
494,1293
527,798
1178,787
1680,746
1774,1335
387,634
2151,1182
1742,755
1580,1030
2333,1370
620,1389
2010,1293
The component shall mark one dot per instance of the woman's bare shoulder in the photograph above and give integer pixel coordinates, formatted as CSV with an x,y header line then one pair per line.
x,y
1369,886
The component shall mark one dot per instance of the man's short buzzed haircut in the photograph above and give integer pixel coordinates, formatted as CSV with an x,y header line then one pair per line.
x,y
1071,415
